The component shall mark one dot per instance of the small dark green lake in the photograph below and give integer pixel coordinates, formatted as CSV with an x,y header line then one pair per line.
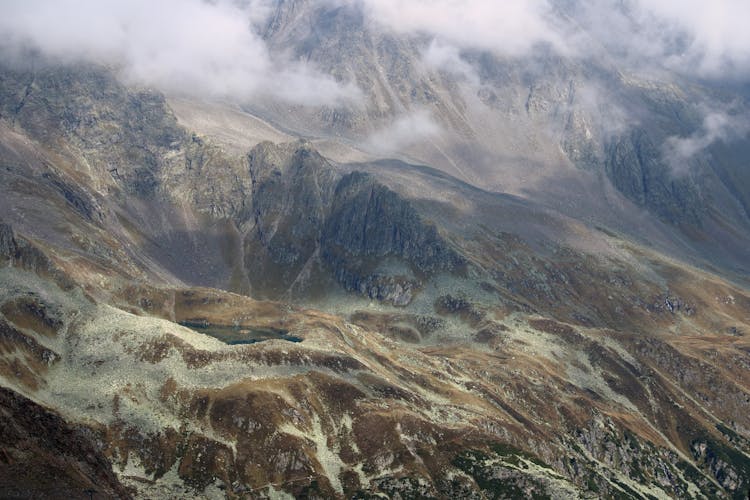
x,y
239,335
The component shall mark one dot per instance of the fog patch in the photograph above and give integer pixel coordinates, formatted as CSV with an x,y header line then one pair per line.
x,y
191,47
609,118
404,131
512,27
446,57
718,126
695,37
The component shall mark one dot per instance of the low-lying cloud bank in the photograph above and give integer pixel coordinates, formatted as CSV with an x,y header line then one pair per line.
x,y
718,126
694,37
406,130
214,47
189,46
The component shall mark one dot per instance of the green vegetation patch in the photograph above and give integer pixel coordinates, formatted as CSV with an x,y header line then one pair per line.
x,y
498,472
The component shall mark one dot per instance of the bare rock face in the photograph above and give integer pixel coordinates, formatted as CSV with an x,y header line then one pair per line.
x,y
368,223
368,220
396,290
635,168
279,221
7,242
308,214
291,193
100,116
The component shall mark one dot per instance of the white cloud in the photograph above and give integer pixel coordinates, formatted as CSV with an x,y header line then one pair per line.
x,y
609,119
213,46
447,57
717,39
696,37
405,130
717,126
510,26
192,46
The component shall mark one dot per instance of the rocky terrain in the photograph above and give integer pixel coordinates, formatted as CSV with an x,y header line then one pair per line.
x,y
576,328
521,353
584,136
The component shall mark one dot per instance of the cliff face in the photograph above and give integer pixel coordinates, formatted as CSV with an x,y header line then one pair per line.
x,y
308,215
634,167
99,117
369,220
292,189
370,223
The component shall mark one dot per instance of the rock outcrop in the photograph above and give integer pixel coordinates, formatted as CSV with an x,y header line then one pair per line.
x,y
308,214
7,242
43,456
635,166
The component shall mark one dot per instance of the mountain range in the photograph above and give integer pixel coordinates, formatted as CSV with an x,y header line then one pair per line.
x,y
473,274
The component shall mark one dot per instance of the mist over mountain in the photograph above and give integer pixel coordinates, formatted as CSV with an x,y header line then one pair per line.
x,y
368,248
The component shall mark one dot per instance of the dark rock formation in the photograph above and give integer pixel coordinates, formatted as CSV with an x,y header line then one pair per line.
x,y
369,220
635,167
43,456
291,188
306,214
7,242
97,114
398,290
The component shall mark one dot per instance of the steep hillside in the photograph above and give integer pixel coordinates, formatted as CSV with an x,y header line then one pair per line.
x,y
430,338
587,136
